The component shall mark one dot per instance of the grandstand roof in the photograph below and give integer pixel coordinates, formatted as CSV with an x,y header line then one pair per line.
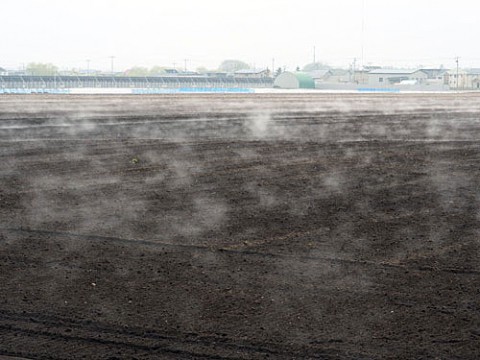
x,y
165,81
250,71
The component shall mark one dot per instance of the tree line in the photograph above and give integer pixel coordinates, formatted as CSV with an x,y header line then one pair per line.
x,y
227,66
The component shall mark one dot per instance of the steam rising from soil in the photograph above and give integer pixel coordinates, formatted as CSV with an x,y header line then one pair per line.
x,y
310,222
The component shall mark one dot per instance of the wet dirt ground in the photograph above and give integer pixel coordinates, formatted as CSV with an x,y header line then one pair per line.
x,y
240,227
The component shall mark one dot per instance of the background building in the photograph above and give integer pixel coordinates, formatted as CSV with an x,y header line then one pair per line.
x,y
467,79
252,73
294,80
39,83
389,77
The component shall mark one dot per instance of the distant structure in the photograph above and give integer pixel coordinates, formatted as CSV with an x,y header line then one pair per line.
x,y
252,73
294,80
172,80
320,75
389,77
468,79
331,76
12,83
418,79
435,74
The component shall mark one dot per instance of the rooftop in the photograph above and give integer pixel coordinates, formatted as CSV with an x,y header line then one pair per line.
x,y
316,74
250,71
393,71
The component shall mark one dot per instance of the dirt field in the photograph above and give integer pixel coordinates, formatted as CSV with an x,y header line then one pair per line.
x,y
240,227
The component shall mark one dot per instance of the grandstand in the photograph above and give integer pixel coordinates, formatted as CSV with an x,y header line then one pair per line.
x,y
153,82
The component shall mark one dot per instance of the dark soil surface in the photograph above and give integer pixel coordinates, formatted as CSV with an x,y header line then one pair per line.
x,y
240,227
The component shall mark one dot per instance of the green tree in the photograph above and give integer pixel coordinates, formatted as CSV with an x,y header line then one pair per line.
x,y
157,70
316,66
138,71
202,70
233,65
41,69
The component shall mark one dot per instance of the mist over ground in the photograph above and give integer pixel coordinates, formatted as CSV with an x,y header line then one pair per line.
x,y
240,226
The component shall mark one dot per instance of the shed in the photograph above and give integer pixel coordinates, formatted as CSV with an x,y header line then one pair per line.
x,y
294,80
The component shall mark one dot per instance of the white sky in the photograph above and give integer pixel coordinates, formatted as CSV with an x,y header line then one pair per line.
x,y
148,32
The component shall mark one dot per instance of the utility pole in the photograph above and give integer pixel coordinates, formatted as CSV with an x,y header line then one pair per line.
x,y
354,68
456,60
314,59
112,58
362,65
273,67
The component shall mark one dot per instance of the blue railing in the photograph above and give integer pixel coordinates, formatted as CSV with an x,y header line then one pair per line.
x,y
380,90
192,90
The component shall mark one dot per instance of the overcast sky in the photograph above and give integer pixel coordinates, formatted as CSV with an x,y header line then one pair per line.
x,y
162,32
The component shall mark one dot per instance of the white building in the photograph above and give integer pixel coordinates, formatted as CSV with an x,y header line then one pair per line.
x,y
252,73
294,80
391,77
320,75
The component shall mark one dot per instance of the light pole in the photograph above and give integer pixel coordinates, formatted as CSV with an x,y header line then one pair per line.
x,y
456,60
112,58
354,66
362,58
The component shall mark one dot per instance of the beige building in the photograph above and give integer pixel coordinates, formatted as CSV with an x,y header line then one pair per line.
x,y
466,79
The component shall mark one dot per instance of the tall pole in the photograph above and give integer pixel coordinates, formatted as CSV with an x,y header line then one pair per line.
x,y
362,65
273,67
354,68
112,58
314,59
456,60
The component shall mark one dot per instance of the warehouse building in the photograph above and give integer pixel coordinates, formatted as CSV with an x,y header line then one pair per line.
x,y
294,80
389,77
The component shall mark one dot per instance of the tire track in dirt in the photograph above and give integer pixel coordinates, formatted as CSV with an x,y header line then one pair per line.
x,y
160,245
64,330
